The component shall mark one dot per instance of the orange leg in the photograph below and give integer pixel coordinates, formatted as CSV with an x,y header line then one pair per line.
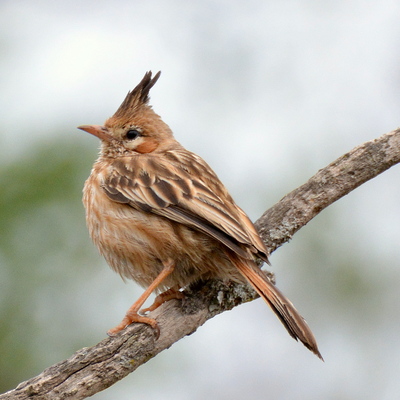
x,y
132,314
169,294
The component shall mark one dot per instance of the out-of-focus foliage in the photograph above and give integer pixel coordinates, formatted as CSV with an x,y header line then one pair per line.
x,y
42,243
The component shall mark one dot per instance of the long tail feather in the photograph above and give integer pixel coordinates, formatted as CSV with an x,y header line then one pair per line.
x,y
279,303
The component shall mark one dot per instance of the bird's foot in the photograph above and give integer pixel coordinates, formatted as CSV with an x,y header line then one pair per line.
x,y
172,293
130,318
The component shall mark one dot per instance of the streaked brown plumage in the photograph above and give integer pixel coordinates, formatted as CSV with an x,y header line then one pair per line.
x,y
160,215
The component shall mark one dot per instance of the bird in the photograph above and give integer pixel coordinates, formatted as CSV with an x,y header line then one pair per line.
x,y
160,216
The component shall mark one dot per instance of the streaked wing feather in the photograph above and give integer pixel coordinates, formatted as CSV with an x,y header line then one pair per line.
x,y
185,217
185,197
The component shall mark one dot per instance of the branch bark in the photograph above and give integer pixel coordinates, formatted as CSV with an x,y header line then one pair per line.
x,y
93,369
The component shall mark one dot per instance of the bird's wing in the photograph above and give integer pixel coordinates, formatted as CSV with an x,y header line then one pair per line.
x,y
182,187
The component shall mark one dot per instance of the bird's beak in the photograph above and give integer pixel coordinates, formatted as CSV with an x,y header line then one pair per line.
x,y
100,131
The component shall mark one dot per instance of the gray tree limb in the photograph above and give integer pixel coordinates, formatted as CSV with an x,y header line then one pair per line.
x,y
93,369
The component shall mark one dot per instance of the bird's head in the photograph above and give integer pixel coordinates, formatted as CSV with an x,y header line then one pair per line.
x,y
135,127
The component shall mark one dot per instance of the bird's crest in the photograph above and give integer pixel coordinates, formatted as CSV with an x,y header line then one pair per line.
x,y
138,97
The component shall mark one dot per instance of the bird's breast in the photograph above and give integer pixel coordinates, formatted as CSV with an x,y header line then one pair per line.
x,y
135,243
124,236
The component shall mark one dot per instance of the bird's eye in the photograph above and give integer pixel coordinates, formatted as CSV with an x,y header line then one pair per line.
x,y
132,134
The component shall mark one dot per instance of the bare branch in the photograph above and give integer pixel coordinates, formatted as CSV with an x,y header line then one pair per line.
x,y
278,224
91,370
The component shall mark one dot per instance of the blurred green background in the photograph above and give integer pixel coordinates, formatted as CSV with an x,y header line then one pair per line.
x,y
267,93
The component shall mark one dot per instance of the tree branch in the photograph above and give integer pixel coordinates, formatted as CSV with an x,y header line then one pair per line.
x,y
91,370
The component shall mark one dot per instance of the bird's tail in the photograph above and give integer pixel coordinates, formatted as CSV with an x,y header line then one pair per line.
x,y
280,304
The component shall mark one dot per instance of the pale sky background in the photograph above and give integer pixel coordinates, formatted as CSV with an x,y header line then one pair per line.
x,y
267,92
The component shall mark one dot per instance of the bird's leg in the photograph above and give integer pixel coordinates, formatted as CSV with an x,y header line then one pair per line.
x,y
172,293
132,314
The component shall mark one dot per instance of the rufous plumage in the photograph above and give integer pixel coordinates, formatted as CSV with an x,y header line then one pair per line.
x,y
160,216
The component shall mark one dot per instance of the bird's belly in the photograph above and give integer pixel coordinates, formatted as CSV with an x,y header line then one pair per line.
x,y
135,244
